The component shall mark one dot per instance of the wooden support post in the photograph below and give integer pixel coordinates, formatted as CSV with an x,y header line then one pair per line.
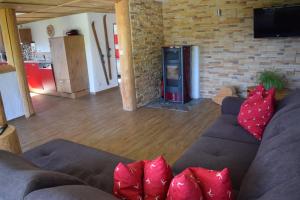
x,y
2,113
14,55
127,74
9,140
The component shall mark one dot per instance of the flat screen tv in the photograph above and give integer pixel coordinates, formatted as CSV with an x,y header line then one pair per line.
x,y
277,22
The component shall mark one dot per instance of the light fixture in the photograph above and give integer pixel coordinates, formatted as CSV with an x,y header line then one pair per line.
x,y
219,12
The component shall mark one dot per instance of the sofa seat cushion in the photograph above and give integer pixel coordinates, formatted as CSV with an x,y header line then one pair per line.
x,y
275,172
70,192
232,105
94,167
217,154
19,177
227,127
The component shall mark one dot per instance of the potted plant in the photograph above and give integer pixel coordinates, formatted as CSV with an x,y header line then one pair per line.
x,y
272,79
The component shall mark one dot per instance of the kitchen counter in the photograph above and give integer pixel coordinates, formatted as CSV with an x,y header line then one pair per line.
x,y
31,61
38,61
42,64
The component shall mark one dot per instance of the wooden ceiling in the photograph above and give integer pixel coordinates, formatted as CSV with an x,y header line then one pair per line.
x,y
35,10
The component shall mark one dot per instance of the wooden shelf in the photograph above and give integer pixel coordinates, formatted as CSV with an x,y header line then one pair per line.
x,y
5,68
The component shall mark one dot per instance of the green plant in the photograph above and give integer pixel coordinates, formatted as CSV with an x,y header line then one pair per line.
x,y
271,79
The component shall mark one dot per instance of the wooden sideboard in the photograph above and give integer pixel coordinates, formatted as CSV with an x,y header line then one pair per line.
x,y
69,65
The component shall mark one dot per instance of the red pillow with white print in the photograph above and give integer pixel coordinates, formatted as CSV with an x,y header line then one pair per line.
x,y
128,181
184,186
157,178
215,185
257,111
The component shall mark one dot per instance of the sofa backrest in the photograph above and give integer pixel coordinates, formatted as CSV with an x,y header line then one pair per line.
x,y
275,172
292,98
19,177
286,108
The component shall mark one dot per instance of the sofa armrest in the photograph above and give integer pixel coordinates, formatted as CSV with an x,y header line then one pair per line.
x,y
70,192
231,105
19,177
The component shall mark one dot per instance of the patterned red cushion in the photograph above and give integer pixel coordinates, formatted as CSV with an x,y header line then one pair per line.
x,y
257,110
184,186
128,180
157,178
215,185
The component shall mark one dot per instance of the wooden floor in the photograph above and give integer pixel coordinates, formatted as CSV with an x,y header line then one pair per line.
x,y
99,121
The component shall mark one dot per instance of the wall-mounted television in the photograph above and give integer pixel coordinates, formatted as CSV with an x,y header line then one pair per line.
x,y
277,22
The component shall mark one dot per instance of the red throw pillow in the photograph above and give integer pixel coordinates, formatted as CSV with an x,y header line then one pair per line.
x,y
215,185
184,186
257,110
128,181
157,178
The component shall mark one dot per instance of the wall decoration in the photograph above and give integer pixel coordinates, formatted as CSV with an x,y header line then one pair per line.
x,y
50,30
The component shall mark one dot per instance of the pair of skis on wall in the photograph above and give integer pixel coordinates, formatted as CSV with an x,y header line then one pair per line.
x,y
108,49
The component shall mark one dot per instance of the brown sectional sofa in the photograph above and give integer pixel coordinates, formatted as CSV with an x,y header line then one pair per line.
x,y
266,170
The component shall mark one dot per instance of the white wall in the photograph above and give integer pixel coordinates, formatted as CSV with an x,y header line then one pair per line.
x,y
11,95
99,78
82,22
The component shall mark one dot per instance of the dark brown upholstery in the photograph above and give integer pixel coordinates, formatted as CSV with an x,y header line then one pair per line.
x,y
70,192
92,166
227,127
19,177
266,170
275,172
216,154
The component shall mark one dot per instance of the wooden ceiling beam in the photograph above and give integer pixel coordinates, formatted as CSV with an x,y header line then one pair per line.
x,y
35,10
41,8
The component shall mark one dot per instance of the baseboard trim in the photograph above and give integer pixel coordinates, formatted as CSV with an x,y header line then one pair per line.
x,y
73,95
105,91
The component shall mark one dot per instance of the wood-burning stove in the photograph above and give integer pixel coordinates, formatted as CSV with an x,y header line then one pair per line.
x,y
176,73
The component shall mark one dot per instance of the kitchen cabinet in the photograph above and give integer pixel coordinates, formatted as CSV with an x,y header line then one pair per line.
x,y
33,75
40,77
69,64
25,35
48,80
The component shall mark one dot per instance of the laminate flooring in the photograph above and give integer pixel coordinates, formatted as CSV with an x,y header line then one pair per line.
x,y
99,121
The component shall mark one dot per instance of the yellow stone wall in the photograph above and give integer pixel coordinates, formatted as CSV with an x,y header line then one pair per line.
x,y
229,53
147,40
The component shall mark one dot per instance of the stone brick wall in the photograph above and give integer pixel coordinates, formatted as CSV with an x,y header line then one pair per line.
x,y
147,40
229,53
